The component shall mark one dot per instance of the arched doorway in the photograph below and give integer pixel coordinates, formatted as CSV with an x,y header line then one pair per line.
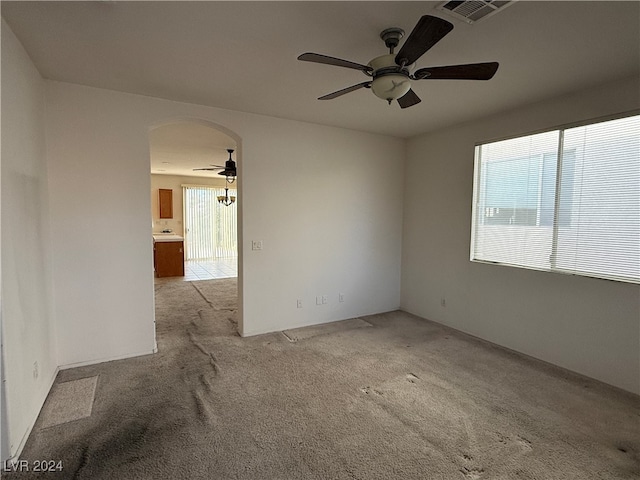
x,y
177,147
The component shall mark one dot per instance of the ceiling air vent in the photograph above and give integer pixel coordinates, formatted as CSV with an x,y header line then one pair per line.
x,y
471,11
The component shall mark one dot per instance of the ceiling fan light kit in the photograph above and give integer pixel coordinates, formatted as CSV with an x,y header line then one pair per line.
x,y
389,81
391,74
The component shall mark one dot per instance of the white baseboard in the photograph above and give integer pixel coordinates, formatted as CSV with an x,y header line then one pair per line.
x,y
103,360
312,323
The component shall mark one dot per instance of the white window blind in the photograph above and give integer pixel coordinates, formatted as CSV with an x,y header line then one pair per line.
x,y
210,227
564,200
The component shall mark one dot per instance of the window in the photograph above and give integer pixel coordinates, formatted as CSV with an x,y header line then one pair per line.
x,y
566,200
210,227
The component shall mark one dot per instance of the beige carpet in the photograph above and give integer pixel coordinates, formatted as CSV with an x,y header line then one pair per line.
x,y
402,399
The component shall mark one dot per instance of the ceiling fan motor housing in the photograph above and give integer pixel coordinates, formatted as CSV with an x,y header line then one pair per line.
x,y
390,81
391,37
229,166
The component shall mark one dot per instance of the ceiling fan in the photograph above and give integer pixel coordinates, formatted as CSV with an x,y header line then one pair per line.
x,y
229,169
391,74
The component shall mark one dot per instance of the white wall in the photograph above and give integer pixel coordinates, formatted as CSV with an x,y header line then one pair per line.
x,y
586,325
174,183
27,322
321,199
328,206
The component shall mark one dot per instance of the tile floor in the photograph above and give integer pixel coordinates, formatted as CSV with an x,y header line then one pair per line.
x,y
210,268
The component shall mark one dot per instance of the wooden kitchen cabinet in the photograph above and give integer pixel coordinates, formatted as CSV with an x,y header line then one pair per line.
x,y
165,199
168,259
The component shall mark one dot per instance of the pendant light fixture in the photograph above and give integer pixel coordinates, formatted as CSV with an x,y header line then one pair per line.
x,y
226,199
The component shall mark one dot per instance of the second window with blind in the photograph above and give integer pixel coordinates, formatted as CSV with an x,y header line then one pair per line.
x,y
565,200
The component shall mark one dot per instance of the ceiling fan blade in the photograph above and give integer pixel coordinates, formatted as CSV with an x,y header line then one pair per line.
x,y
409,99
427,32
472,71
352,88
318,58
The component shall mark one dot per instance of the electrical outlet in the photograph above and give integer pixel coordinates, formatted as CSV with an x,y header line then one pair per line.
x,y
299,303
341,297
256,245
325,299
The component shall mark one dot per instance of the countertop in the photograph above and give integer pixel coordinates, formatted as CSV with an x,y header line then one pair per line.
x,y
167,237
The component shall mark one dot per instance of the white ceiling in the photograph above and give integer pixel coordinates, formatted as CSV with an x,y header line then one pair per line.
x,y
179,148
242,55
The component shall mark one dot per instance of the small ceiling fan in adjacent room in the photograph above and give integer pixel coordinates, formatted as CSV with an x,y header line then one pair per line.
x,y
391,75
228,170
